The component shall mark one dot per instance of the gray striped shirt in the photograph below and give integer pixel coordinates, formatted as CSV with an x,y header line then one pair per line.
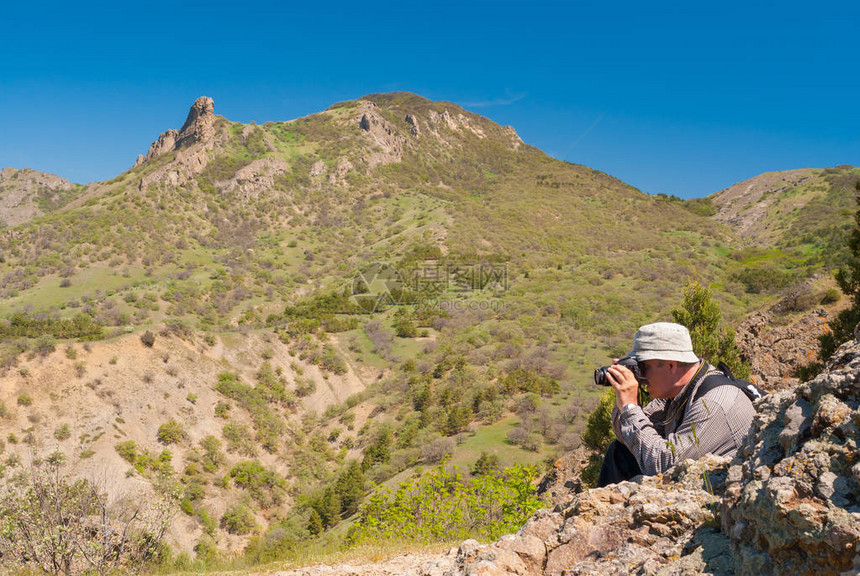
x,y
716,423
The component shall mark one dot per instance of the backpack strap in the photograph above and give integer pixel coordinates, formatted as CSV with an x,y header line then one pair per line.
x,y
752,391
724,368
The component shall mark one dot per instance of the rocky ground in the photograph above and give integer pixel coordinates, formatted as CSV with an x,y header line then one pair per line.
x,y
779,340
788,504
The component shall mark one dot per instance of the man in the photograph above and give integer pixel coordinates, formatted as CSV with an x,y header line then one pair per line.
x,y
671,428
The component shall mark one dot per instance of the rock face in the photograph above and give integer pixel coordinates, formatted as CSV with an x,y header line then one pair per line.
x,y
255,178
199,127
24,193
793,505
788,504
776,348
745,205
776,353
388,143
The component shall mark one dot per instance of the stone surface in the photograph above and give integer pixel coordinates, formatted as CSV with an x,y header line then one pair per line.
x,y
199,126
386,143
22,192
801,517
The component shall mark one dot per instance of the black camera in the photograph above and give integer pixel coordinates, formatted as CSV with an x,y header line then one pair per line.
x,y
628,362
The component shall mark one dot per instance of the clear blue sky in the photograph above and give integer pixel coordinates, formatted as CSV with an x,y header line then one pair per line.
x,y
681,98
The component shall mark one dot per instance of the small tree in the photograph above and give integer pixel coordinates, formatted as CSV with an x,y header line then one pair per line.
x,y
148,339
170,432
58,525
700,313
848,277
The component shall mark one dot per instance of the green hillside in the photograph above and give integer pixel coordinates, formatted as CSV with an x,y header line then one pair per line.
x,y
466,282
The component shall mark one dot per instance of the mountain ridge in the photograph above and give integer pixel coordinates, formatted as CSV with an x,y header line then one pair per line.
x,y
516,275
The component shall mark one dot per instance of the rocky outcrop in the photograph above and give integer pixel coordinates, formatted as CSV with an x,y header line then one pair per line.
x,y
199,126
788,504
776,352
745,205
24,193
793,504
413,122
252,180
387,143
187,164
781,339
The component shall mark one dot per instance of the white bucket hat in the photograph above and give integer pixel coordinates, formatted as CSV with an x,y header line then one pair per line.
x,y
663,341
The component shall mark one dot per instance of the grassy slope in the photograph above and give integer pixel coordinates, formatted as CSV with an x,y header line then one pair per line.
x,y
588,259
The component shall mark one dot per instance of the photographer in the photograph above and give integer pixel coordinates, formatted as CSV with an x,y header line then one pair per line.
x,y
678,423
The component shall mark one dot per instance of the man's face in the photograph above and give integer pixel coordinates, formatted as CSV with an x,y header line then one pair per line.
x,y
660,378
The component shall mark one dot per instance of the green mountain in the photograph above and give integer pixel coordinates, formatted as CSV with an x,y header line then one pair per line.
x,y
390,281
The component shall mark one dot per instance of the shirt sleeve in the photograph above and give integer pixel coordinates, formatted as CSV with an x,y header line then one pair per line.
x,y
713,424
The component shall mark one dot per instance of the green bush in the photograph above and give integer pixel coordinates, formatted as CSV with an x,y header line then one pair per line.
x,y
46,330
238,519
264,485
831,296
213,458
598,431
257,402
485,464
700,313
170,432
444,505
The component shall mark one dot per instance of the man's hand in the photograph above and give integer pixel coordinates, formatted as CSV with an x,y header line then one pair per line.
x,y
625,384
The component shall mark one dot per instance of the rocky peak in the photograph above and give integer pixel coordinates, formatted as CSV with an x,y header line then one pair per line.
x,y
199,126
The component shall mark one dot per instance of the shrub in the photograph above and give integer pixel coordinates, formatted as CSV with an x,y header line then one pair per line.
x,y
831,296
63,432
239,439
53,520
212,455
700,313
598,431
148,339
127,450
170,432
437,450
264,485
517,436
25,399
238,519
222,409
442,504
485,464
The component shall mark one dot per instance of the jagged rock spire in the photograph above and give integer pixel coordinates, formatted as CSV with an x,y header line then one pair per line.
x,y
199,127
199,124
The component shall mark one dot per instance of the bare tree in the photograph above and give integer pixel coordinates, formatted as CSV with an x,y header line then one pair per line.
x,y
61,525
